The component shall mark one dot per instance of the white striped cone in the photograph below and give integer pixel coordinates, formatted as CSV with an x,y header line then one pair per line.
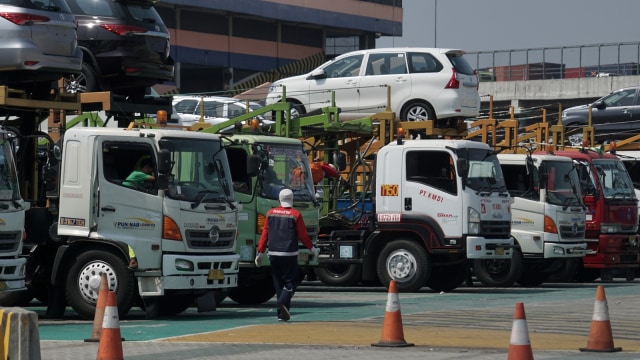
x,y
520,345
600,336
110,347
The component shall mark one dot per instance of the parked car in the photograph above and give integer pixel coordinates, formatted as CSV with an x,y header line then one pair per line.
x,y
426,83
38,45
126,47
615,116
215,109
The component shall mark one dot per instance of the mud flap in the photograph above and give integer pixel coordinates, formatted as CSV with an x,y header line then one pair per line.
x,y
206,302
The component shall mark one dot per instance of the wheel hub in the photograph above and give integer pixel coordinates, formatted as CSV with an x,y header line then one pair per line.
x,y
401,265
90,278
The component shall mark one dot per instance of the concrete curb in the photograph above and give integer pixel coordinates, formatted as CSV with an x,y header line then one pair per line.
x,y
20,338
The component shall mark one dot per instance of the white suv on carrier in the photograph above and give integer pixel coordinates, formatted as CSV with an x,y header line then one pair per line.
x,y
426,84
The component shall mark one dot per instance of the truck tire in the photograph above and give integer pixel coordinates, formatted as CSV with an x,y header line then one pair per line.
x,y
567,272
447,278
339,274
502,273
406,262
83,282
258,293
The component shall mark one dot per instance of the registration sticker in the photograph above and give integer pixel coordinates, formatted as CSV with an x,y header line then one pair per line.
x,y
216,274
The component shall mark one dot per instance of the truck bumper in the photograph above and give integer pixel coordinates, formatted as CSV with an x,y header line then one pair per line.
x,y
196,272
612,252
482,248
559,250
12,274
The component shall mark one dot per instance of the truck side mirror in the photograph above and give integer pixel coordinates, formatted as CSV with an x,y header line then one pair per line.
x,y
341,161
463,168
164,161
253,165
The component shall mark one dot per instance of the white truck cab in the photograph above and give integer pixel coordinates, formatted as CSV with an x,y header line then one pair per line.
x,y
548,217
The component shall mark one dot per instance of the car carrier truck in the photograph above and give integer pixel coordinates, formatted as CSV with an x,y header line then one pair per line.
x,y
85,219
438,204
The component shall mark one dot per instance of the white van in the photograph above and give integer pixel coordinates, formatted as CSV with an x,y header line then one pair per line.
x,y
426,83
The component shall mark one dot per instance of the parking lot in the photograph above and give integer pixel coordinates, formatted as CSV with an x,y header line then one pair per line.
x,y
471,322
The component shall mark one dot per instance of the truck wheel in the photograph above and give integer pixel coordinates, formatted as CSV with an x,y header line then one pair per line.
x,y
447,278
501,273
406,262
567,272
83,282
258,293
339,274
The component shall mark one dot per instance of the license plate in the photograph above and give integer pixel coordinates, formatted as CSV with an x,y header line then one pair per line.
x,y
3,285
499,251
216,274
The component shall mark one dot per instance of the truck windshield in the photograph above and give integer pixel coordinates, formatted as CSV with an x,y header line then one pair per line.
x,y
9,189
288,168
485,174
199,171
614,178
562,179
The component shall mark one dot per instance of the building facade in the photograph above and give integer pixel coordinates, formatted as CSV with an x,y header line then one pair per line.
x,y
220,44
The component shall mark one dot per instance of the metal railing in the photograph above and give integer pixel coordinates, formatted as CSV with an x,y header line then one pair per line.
x,y
596,60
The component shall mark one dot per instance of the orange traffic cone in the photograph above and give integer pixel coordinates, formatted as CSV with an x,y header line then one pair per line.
x,y
99,315
600,336
110,347
520,346
392,333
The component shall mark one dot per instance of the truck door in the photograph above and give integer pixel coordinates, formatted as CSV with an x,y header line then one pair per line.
x,y
129,208
430,189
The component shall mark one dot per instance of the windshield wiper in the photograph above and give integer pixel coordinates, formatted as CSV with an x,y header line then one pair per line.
x,y
488,190
200,196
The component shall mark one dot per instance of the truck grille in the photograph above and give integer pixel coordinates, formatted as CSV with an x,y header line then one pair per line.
x,y
197,239
9,241
572,232
495,229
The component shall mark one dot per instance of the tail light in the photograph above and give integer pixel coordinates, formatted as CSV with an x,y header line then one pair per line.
x,y
24,19
122,30
453,82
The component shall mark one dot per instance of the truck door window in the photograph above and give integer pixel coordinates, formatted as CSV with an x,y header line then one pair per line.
x,y
120,160
519,182
238,165
432,168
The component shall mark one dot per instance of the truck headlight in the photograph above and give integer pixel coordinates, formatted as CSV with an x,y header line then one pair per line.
x,y
610,228
473,217
184,265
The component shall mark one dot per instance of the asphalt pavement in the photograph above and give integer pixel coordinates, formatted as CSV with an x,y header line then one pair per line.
x,y
471,323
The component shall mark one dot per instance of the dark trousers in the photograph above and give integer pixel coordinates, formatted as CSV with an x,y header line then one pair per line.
x,y
284,271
